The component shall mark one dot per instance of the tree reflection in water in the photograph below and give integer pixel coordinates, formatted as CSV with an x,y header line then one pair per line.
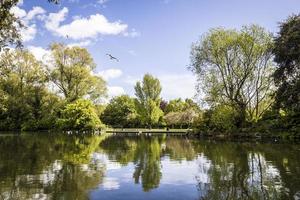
x,y
249,171
56,166
47,166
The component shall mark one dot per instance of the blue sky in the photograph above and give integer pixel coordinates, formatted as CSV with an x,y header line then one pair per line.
x,y
148,36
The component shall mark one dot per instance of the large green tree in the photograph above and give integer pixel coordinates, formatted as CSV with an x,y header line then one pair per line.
x,y
24,96
148,100
234,68
71,72
120,112
287,74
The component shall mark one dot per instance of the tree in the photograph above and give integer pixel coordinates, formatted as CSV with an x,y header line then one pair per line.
x,y
234,68
79,115
10,25
163,105
182,119
223,118
181,113
150,88
120,112
173,119
175,105
71,72
287,74
148,100
149,113
23,91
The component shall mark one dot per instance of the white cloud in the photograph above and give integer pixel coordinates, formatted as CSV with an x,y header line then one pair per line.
x,y
81,44
54,19
36,11
102,1
115,91
176,85
133,33
130,80
82,28
18,12
76,17
110,74
29,32
110,183
40,53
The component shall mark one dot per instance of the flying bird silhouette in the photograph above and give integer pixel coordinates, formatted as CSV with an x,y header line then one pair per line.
x,y
112,57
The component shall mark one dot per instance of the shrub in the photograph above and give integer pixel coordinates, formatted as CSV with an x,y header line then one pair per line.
x,y
223,118
80,115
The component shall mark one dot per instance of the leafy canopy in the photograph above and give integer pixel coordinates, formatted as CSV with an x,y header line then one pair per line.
x,y
235,68
80,115
287,55
120,112
71,71
148,100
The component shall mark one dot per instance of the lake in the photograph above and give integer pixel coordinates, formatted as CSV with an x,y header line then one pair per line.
x,y
59,166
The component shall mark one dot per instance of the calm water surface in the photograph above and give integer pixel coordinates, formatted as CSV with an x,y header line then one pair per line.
x,y
56,166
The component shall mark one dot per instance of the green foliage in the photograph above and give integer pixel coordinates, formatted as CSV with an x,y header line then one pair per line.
x,y
235,68
220,119
23,92
80,115
287,55
181,113
9,25
150,88
72,73
61,156
175,105
148,100
277,122
224,118
149,113
120,112
25,99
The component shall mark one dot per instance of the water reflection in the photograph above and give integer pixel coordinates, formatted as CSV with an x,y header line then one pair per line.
x,y
48,166
55,166
250,171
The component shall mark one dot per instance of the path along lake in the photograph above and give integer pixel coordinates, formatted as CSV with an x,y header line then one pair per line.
x,y
60,166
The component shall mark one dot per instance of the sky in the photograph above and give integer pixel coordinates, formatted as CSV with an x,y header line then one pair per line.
x,y
147,36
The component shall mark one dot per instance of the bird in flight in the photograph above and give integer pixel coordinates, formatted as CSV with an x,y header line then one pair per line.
x,y
112,57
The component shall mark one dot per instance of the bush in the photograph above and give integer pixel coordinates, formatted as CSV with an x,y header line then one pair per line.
x,y
223,118
278,122
80,115
120,112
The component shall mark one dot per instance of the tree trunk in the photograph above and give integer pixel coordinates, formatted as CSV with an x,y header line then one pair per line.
x,y
242,114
